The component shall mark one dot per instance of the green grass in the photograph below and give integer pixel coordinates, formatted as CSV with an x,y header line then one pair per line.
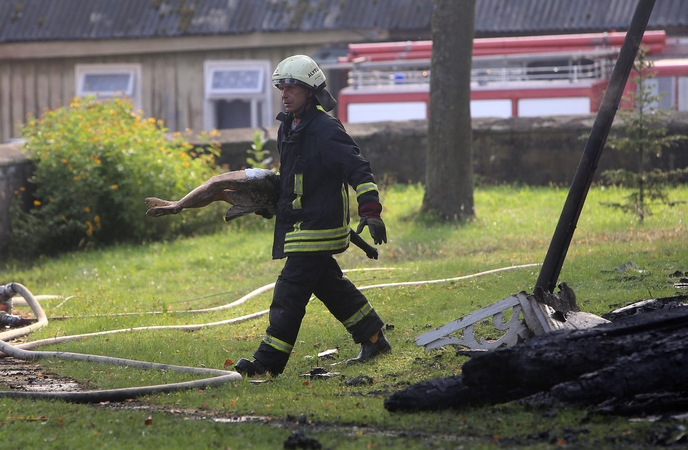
x,y
514,226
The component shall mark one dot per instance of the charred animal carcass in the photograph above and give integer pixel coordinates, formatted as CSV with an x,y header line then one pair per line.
x,y
248,191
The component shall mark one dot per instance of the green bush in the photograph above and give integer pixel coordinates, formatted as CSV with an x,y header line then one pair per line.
x,y
95,162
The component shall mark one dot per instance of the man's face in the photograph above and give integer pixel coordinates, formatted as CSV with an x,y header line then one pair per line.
x,y
294,97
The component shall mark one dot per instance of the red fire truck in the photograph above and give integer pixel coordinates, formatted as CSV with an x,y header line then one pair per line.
x,y
510,77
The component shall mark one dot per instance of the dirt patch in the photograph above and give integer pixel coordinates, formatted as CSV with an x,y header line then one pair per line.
x,y
19,375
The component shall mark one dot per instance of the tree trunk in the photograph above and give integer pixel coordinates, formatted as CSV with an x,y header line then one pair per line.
x,y
449,163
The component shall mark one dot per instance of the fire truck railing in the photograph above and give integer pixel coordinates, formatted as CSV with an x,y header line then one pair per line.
x,y
538,67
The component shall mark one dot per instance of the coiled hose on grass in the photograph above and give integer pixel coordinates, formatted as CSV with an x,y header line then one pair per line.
x,y
219,377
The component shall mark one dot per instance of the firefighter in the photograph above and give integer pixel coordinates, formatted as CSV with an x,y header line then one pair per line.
x,y
318,163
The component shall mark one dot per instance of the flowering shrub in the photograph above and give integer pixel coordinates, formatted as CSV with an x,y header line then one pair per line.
x,y
95,162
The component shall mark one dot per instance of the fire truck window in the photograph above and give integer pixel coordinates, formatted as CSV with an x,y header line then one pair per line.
x,y
663,87
535,107
666,90
683,93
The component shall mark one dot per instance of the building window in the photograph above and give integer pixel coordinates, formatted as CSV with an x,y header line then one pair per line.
x,y
229,81
106,81
237,94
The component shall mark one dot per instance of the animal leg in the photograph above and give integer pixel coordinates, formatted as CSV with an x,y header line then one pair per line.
x,y
159,207
215,189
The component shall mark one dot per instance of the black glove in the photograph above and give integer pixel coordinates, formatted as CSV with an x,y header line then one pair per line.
x,y
264,212
370,215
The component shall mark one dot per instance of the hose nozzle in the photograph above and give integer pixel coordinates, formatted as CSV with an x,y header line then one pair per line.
x,y
6,292
8,320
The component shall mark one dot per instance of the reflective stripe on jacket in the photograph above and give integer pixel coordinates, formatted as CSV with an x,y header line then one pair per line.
x,y
318,163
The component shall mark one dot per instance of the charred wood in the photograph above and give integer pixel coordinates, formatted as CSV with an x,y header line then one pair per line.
x,y
636,355
647,306
562,302
654,403
450,393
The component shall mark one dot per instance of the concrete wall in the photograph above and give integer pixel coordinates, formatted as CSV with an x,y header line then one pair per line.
x,y
534,151
15,169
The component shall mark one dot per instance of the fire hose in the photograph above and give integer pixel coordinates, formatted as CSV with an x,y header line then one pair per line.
x,y
217,377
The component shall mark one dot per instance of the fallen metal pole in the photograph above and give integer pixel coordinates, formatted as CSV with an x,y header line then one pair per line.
x,y
585,172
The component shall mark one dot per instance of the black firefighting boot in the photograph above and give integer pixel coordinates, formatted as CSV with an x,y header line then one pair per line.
x,y
250,368
376,345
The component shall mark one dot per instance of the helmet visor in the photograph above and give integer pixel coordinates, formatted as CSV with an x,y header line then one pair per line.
x,y
289,81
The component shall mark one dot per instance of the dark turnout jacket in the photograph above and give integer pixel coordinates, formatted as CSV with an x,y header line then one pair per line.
x,y
318,161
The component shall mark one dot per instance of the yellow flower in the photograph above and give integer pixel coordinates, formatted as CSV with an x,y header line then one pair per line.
x,y
36,203
96,219
64,161
89,228
114,187
87,209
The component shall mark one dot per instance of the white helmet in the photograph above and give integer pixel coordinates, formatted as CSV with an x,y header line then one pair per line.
x,y
302,70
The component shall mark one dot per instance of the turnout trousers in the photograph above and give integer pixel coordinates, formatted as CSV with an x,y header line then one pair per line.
x,y
301,277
